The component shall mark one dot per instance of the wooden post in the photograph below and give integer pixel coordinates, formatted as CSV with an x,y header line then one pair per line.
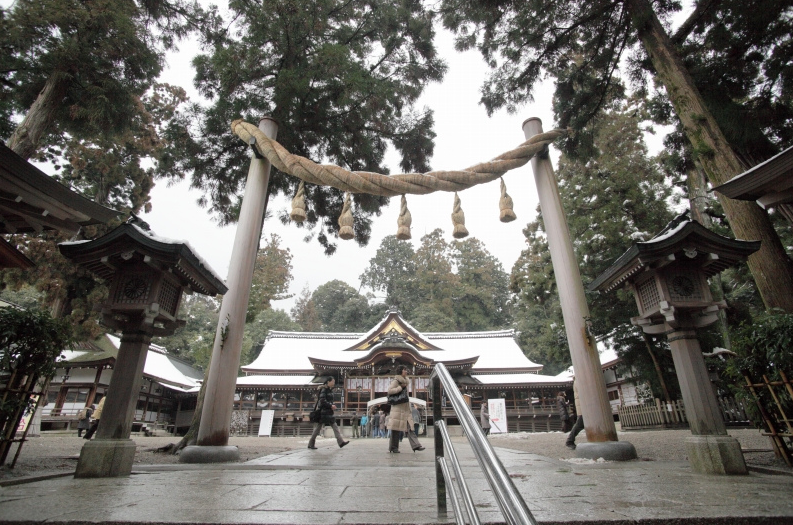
x,y
222,378
595,407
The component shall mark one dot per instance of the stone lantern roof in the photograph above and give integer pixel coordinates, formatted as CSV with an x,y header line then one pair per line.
x,y
681,239
104,255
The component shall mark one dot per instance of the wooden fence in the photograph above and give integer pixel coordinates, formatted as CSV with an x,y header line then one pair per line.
x,y
773,408
662,415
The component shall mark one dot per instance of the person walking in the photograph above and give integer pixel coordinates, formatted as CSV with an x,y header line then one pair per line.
x,y
414,412
84,419
579,421
326,407
484,417
561,407
382,423
355,425
97,416
401,419
375,424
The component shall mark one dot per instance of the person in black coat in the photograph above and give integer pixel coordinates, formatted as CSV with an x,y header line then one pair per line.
x,y
326,407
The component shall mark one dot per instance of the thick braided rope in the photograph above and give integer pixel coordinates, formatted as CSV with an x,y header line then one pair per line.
x,y
392,185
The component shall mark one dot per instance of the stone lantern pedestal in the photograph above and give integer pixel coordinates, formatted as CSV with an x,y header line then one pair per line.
x,y
147,277
668,277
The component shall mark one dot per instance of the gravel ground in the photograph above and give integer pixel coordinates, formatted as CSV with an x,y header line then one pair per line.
x,y
52,454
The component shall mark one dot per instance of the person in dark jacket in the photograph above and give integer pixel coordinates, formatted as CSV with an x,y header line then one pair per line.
x,y
326,407
84,419
564,414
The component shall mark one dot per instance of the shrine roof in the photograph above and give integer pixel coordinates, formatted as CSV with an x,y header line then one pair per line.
x,y
166,369
276,380
289,352
33,201
523,379
769,183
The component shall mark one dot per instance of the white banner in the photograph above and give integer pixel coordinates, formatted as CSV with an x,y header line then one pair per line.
x,y
498,416
266,424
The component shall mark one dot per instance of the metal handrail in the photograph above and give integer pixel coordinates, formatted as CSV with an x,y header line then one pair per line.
x,y
511,503
440,426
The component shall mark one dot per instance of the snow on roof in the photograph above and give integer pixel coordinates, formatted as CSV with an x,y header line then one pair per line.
x,y
507,379
203,262
273,380
68,355
166,369
290,351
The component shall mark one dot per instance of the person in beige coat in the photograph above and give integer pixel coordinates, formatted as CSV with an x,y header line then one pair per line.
x,y
401,420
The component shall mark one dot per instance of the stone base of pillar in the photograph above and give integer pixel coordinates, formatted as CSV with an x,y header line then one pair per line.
x,y
106,458
715,455
203,454
608,450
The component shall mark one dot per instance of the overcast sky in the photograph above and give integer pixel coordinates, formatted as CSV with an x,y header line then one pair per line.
x,y
465,136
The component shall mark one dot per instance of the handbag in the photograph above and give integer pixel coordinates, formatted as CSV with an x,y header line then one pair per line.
x,y
398,399
315,415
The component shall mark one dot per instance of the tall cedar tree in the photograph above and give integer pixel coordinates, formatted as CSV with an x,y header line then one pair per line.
x,y
441,286
616,198
339,76
581,44
80,76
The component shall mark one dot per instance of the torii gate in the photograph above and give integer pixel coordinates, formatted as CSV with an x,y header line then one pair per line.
x,y
213,434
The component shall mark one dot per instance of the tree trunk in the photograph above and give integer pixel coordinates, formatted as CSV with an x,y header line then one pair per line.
x,y
771,268
191,436
25,139
649,344
698,204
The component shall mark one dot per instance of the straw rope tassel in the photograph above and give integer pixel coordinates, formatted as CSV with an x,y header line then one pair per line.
x,y
404,221
507,214
458,219
345,220
298,213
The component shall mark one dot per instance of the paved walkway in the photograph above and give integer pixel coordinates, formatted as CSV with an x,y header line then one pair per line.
x,y
363,484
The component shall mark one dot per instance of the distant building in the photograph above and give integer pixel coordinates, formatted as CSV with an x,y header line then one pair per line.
x,y
168,391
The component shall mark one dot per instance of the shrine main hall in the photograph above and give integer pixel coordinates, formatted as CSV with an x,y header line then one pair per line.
x,y
485,365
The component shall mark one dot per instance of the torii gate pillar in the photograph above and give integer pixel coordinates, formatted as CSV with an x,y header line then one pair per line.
x,y
213,432
598,421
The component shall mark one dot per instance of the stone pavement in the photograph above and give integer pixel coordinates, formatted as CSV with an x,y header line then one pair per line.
x,y
363,484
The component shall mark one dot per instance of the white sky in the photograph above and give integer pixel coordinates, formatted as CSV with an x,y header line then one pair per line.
x,y
465,136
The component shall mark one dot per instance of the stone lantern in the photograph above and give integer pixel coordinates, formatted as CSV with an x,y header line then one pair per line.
x,y
668,277
147,276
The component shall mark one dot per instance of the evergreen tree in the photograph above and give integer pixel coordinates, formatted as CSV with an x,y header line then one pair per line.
x,y
81,78
482,296
194,340
342,309
434,283
340,77
271,277
581,44
81,68
392,270
305,312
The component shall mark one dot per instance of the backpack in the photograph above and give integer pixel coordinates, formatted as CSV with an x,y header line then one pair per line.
x,y
83,414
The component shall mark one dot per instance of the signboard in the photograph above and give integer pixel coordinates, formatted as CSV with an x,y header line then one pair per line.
x,y
25,421
498,416
266,424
